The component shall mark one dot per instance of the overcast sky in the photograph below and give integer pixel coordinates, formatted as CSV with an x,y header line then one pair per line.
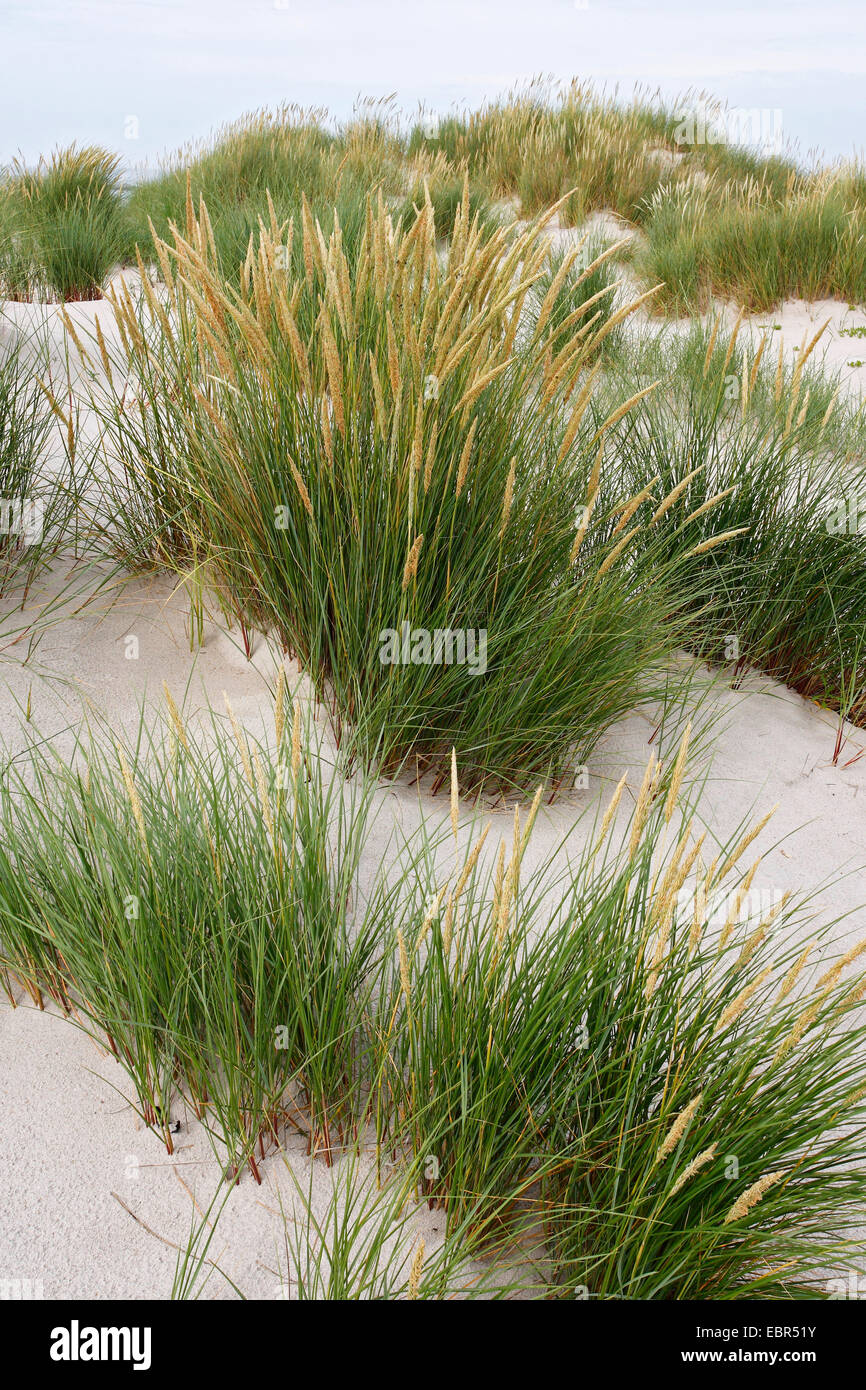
x,y
81,70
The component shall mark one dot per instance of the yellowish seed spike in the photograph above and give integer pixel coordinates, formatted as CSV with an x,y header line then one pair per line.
x,y
677,776
752,1196
455,795
678,1129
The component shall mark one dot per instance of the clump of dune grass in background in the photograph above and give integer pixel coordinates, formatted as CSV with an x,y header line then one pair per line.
x,y
541,144
61,226
286,152
33,507
366,1244
769,455
271,159
749,242
380,441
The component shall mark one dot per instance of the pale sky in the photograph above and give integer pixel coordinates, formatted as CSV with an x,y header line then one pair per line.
x,y
81,70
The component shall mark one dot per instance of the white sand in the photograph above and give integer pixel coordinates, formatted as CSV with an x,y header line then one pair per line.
x,y
69,1140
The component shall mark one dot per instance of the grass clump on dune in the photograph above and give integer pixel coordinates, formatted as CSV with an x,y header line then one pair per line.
x,y
33,509
647,1053
271,158
541,145
754,448
745,242
62,228
446,189
375,447
186,902
284,151
720,217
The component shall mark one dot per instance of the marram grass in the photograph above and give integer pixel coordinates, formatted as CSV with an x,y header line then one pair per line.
x,y
773,456
720,218
655,1058
34,506
748,242
187,905
383,441
62,228
637,1071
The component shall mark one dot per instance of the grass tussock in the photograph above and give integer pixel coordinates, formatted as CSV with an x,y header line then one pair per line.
x,y
752,245
188,906
368,445
62,229
272,159
34,506
627,1052
770,455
